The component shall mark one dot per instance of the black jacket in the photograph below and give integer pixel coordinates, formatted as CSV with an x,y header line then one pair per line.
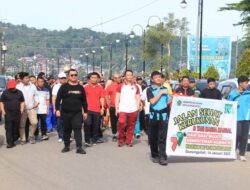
x,y
211,94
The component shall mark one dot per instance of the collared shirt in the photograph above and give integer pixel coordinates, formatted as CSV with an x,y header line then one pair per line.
x,y
243,99
144,98
128,94
94,93
111,92
30,94
43,97
161,104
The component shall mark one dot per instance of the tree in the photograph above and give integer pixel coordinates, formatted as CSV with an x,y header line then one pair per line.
x,y
212,72
243,67
186,72
163,34
244,7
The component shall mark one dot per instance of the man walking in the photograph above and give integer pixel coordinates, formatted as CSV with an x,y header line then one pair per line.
x,y
12,106
30,96
95,99
43,107
73,110
158,98
127,107
62,80
184,89
110,99
242,96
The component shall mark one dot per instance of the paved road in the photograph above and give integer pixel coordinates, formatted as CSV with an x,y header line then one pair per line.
x,y
107,167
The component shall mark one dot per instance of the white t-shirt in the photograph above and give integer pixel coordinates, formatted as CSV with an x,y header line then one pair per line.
x,y
30,95
146,102
128,94
43,97
56,89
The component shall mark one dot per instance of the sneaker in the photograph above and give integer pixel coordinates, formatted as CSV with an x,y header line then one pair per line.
x,y
243,158
120,144
138,136
65,149
88,144
114,138
60,140
80,151
99,141
10,145
163,162
155,159
130,145
32,140
22,142
45,137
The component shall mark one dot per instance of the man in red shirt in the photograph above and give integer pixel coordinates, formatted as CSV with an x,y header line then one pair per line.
x,y
95,99
110,99
127,106
184,89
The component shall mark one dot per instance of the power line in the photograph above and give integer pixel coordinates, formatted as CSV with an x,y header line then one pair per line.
x,y
124,15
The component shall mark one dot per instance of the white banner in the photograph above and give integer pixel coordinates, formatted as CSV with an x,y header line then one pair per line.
x,y
202,128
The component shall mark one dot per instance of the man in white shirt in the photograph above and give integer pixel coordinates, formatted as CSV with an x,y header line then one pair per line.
x,y
31,104
62,80
43,107
127,106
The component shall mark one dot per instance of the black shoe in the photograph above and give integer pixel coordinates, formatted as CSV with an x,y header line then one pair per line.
x,y
10,146
155,159
163,162
80,151
65,149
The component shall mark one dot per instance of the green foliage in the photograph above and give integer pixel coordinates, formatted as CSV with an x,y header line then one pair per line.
x,y
244,64
186,72
243,6
212,72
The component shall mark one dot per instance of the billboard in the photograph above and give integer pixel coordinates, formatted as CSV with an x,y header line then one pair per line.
x,y
202,128
215,51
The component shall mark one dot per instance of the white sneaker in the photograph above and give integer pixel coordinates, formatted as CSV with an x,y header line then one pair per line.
x,y
60,140
243,158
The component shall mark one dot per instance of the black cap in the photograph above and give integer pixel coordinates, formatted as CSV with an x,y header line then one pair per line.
x,y
192,80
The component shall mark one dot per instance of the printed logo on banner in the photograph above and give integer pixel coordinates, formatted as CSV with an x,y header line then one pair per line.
x,y
228,109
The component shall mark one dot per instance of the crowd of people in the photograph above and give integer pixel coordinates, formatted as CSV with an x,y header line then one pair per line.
x,y
33,105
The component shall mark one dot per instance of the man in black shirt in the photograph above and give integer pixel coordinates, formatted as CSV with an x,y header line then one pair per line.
x,y
12,104
211,92
74,109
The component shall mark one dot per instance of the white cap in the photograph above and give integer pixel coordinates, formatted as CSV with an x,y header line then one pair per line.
x,y
62,75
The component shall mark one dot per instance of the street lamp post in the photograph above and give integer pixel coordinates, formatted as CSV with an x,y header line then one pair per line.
x,y
200,25
3,52
155,16
93,63
126,44
87,59
58,65
143,48
102,48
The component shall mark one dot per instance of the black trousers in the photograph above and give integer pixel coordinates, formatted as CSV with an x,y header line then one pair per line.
x,y
142,121
242,136
92,126
113,120
72,121
158,136
42,119
11,127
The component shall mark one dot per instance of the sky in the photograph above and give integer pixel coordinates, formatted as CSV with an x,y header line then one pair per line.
x,y
61,14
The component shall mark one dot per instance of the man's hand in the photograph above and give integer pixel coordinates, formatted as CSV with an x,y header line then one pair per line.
x,y
35,106
164,92
84,115
58,113
117,112
102,111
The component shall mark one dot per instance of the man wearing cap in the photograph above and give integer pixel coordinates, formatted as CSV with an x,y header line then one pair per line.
x,y
62,80
12,105
184,89
192,85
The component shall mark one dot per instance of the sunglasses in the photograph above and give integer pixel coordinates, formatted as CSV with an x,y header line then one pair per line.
x,y
73,75
63,78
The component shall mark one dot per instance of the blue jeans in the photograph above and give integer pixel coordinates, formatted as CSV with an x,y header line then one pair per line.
x,y
60,127
242,136
51,120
